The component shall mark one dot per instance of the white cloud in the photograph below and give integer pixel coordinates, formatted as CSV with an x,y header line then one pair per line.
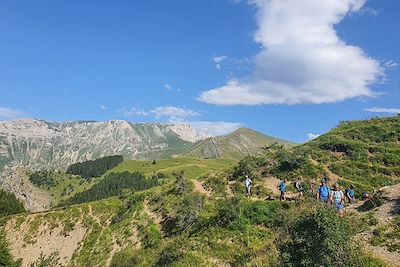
x,y
102,107
384,110
173,114
389,64
171,111
312,136
215,128
218,60
302,59
167,87
135,112
9,113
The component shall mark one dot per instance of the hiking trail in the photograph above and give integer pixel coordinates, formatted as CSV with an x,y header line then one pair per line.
x,y
198,186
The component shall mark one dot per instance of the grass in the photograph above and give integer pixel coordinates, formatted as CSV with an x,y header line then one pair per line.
x,y
66,185
194,168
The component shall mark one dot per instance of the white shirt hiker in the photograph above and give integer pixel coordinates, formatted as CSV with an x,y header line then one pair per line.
x,y
247,182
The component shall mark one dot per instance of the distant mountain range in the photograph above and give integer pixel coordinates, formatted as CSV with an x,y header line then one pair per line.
x,y
38,143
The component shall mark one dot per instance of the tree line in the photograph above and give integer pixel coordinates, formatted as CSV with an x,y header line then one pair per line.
x,y
95,168
112,185
42,178
9,204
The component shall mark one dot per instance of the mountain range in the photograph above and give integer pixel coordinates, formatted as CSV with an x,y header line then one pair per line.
x,y
39,143
32,144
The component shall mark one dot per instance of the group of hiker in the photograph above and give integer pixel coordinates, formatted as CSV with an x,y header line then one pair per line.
x,y
323,192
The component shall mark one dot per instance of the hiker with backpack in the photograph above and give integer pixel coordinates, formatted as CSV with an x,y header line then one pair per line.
x,y
338,199
247,184
299,187
369,197
282,189
323,192
350,194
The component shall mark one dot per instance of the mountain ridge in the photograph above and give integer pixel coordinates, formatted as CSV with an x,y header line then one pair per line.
x,y
241,142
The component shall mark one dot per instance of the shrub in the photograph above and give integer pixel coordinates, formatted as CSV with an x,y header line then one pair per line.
x,y
217,184
189,211
152,237
229,210
173,252
317,237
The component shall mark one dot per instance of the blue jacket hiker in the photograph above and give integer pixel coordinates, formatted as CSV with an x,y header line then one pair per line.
x,y
282,189
350,194
323,191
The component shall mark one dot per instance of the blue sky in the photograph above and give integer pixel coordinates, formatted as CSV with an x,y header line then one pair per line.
x,y
287,68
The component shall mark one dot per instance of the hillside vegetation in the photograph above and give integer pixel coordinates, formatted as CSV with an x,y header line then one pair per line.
x,y
62,186
59,185
192,167
197,213
363,153
112,185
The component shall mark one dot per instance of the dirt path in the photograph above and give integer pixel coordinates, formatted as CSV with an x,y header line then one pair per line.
x,y
229,190
93,216
155,217
391,258
385,213
198,187
333,178
272,184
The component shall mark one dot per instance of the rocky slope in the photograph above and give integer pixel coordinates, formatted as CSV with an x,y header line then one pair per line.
x,y
32,142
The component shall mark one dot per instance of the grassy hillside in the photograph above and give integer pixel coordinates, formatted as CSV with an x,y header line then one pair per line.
x,y
175,225
192,167
242,142
363,153
63,185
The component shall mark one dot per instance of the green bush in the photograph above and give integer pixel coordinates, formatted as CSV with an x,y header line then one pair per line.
x,y
152,237
188,211
172,253
229,210
317,237
217,184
